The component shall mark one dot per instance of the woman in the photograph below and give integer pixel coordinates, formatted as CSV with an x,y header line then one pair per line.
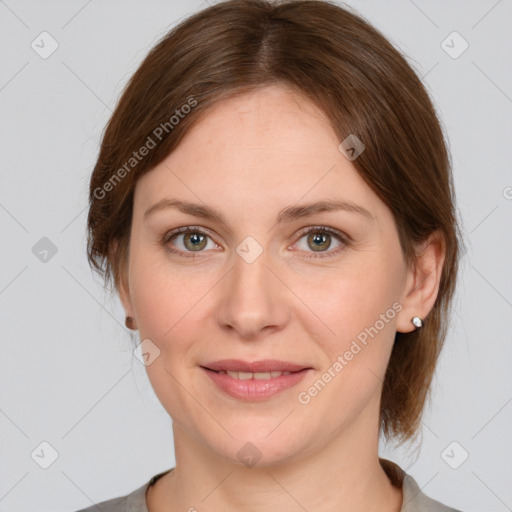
x,y
273,202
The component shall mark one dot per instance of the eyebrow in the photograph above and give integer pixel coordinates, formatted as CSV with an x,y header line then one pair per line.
x,y
287,214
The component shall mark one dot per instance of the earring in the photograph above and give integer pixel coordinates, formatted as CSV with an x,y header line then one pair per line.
x,y
417,322
129,322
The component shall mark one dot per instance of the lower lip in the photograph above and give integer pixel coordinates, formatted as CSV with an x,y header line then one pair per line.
x,y
255,390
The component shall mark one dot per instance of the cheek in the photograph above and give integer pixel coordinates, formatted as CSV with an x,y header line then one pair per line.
x,y
164,295
349,298
357,313
166,303
153,301
357,307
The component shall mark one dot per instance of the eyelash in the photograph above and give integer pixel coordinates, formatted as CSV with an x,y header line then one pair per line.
x,y
344,239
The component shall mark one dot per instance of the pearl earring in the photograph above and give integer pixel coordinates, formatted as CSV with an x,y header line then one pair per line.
x,y
417,322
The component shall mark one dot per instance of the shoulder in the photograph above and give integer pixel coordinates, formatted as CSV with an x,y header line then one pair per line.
x,y
132,502
414,500
135,501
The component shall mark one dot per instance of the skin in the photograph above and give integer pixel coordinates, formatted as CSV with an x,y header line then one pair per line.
x,y
249,157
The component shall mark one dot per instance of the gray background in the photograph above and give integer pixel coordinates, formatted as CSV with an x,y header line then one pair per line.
x,y
68,376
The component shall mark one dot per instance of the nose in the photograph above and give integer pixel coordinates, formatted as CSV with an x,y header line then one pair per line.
x,y
254,298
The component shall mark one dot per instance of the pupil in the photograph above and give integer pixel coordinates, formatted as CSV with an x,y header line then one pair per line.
x,y
319,239
194,240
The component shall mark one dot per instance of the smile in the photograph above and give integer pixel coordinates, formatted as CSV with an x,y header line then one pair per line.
x,y
251,375
254,386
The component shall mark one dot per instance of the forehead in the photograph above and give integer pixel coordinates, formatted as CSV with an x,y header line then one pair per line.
x,y
252,120
268,147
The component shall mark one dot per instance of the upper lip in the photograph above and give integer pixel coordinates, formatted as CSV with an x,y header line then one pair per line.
x,y
264,365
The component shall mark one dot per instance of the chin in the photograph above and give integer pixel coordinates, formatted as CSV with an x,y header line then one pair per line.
x,y
253,447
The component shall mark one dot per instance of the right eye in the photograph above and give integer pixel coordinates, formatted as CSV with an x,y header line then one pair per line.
x,y
191,239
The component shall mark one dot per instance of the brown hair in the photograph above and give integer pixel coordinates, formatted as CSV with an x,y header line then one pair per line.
x,y
365,87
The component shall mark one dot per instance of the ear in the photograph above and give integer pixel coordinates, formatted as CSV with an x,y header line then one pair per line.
x,y
122,285
422,283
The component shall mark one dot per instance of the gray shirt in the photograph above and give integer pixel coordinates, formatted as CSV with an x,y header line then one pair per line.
x,y
414,500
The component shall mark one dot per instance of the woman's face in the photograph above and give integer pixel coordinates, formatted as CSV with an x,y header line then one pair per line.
x,y
255,286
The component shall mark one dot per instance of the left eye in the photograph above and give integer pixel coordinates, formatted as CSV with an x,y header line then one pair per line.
x,y
319,239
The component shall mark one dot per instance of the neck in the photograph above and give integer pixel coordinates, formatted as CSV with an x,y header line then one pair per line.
x,y
345,475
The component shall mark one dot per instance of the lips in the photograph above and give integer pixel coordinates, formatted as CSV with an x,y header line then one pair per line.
x,y
262,366
258,386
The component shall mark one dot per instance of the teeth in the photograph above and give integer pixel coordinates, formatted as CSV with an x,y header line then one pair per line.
x,y
240,375
256,375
